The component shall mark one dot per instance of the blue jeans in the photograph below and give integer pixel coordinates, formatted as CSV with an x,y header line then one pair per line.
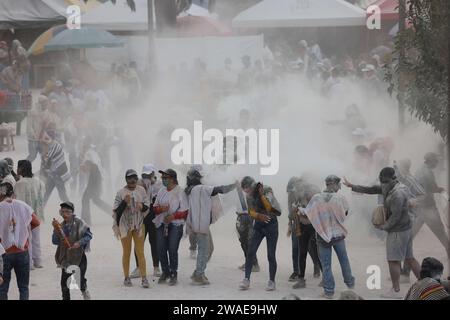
x,y
325,254
295,252
204,248
168,247
20,262
263,230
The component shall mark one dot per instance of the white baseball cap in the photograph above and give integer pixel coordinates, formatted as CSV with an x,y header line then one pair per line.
x,y
148,168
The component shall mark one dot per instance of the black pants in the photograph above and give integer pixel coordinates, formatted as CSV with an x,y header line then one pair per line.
x,y
93,194
307,243
81,278
150,230
244,227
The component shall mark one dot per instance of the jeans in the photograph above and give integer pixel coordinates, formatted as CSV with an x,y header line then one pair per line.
x,y
295,251
150,230
203,244
307,243
20,262
193,244
50,184
35,248
263,230
93,195
33,150
168,247
325,254
82,278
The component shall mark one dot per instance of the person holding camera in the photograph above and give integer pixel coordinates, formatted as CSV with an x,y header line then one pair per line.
x,y
264,208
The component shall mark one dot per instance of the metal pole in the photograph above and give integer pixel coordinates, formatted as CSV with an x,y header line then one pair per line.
x,y
401,60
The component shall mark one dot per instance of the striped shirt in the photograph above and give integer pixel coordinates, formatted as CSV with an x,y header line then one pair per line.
x,y
426,289
56,161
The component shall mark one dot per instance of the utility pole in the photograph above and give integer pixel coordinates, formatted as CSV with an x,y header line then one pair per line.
x,y
151,42
401,61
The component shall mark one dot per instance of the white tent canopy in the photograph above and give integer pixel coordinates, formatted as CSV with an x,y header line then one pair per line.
x,y
119,17
16,14
300,13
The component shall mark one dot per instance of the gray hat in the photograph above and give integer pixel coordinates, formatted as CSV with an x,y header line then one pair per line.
x,y
332,179
130,173
68,205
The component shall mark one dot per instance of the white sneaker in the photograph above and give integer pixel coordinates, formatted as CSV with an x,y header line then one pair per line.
x,y
270,286
135,274
157,272
245,284
392,294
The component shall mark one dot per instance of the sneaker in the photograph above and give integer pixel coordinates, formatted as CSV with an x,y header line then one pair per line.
x,y
270,286
301,283
145,284
193,254
127,282
200,280
173,280
328,296
392,294
404,278
86,295
242,267
255,268
156,272
245,284
293,277
163,278
37,265
135,274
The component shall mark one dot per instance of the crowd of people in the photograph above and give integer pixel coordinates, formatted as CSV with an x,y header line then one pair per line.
x,y
73,121
14,67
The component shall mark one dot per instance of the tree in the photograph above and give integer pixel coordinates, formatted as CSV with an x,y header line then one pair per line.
x,y
423,70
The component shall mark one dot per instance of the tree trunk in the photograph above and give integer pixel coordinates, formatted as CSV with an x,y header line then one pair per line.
x,y
401,61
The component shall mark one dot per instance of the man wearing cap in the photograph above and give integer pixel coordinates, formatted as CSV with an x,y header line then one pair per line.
x,y
398,224
16,219
130,208
152,186
429,213
171,209
200,217
73,243
327,211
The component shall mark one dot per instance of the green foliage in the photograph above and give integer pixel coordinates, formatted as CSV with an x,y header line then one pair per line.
x,y
424,70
